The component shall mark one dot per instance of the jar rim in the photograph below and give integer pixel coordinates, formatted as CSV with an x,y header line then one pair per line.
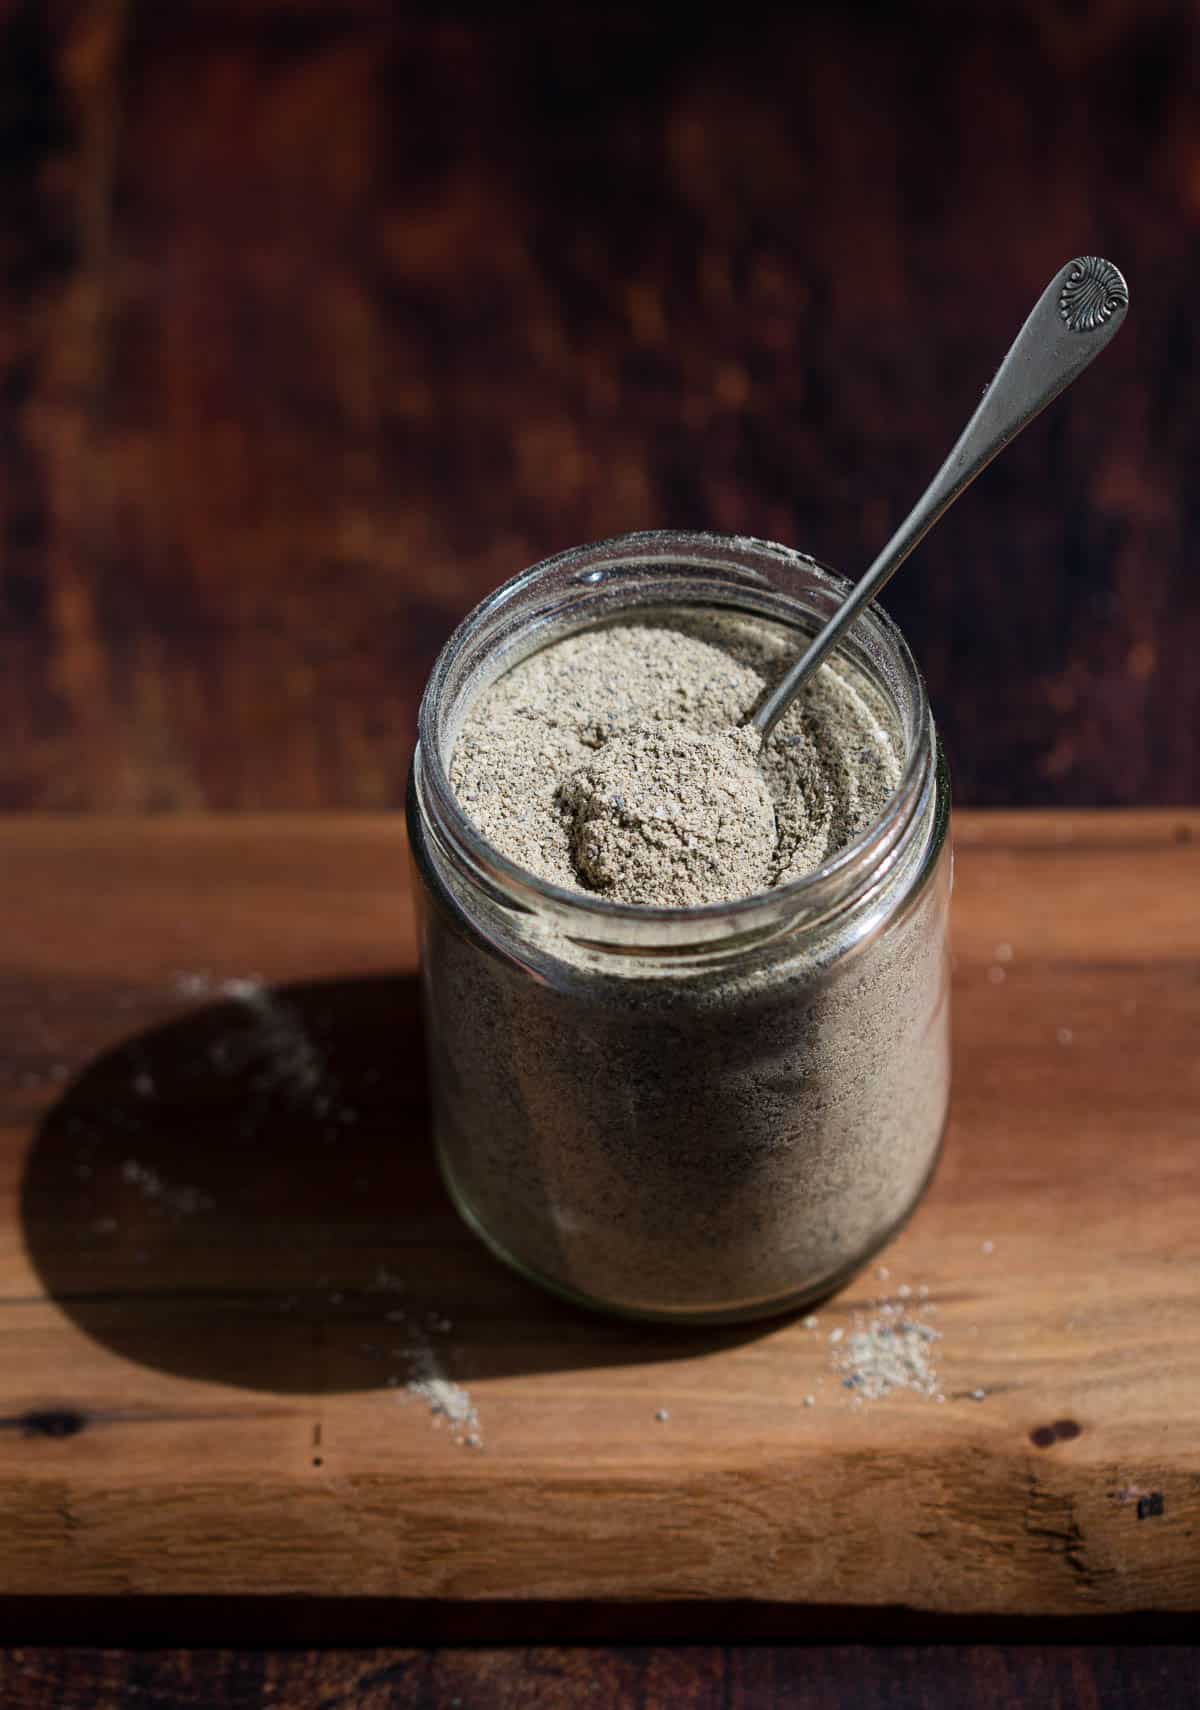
x,y
736,557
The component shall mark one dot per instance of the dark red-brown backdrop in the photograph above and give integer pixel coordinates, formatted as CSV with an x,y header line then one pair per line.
x,y
320,319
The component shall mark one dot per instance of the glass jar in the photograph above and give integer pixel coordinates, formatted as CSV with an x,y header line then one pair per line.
x,y
707,1114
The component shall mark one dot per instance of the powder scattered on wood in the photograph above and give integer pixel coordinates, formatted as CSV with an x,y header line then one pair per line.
x,y
293,1064
447,1400
184,1201
287,1057
427,1379
887,1350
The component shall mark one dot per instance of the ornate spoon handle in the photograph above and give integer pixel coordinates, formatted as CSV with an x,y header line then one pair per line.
x,y
1072,321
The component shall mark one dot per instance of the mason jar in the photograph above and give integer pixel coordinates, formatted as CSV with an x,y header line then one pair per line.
x,y
707,1114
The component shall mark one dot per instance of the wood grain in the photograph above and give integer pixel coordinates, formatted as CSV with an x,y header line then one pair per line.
x,y
194,1397
318,320
710,1677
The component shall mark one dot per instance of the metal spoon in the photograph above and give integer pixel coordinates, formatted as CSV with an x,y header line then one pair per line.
x,y
1072,321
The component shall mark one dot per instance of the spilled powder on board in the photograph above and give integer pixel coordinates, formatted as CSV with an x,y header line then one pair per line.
x,y
427,1379
445,1399
285,1059
888,1348
184,1201
291,1060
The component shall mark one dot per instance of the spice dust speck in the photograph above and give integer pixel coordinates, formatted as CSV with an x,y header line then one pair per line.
x,y
445,1399
185,1201
888,1350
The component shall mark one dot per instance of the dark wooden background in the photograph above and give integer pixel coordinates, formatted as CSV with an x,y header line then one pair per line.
x,y
318,318
321,317
710,1677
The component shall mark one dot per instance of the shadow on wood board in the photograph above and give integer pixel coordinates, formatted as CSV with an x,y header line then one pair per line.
x,y
350,1620
249,1195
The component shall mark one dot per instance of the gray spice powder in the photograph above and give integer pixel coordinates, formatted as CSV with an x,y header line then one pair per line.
x,y
668,816
614,761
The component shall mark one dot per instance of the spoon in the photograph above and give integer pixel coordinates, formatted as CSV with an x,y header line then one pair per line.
x,y
1072,321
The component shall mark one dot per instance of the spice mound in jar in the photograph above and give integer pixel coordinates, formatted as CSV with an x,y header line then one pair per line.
x,y
614,762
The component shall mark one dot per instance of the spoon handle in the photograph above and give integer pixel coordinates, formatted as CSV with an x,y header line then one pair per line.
x,y
1072,321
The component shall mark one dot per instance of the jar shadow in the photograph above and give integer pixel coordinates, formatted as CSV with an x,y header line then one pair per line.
x,y
248,1195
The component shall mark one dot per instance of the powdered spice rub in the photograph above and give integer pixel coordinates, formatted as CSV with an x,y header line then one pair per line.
x,y
616,761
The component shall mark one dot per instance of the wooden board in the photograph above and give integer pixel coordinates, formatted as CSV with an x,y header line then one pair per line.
x,y
211,1211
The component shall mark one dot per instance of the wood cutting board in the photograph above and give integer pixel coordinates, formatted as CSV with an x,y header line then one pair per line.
x,y
222,1238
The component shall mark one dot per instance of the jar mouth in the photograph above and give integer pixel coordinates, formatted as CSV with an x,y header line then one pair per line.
x,y
600,583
